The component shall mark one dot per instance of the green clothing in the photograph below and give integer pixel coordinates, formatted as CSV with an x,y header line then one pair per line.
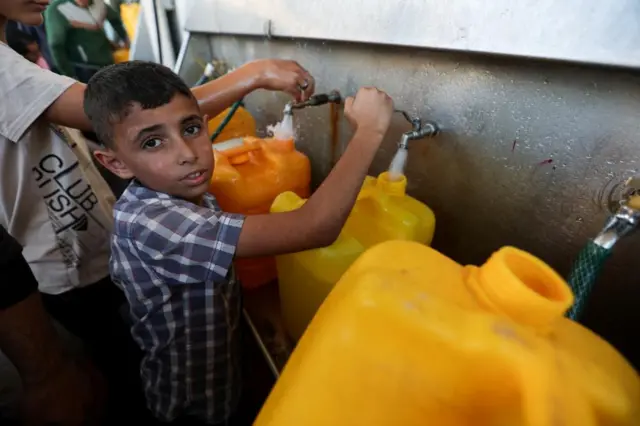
x,y
72,45
116,4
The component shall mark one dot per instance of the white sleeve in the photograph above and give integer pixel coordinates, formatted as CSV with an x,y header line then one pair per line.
x,y
26,91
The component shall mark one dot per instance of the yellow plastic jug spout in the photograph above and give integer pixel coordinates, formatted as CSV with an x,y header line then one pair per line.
x,y
386,185
409,337
521,287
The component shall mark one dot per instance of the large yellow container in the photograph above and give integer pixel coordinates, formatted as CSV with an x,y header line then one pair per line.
x,y
242,124
409,337
248,175
382,212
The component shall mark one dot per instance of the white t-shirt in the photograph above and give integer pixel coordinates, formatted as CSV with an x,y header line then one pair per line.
x,y
46,201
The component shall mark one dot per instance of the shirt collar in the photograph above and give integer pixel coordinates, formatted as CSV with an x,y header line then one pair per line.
x,y
136,191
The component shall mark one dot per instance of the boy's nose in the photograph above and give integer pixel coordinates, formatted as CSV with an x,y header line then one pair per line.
x,y
186,153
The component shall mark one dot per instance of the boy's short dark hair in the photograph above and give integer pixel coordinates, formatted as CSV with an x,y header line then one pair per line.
x,y
114,90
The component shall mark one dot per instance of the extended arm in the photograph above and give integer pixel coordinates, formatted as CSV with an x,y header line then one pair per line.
x,y
319,221
214,97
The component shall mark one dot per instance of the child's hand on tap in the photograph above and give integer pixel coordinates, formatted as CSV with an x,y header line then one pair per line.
x,y
282,75
369,111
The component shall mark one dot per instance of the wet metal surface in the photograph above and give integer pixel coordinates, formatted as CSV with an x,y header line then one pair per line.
x,y
604,32
528,155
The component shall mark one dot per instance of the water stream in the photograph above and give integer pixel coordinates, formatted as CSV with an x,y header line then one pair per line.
x,y
396,169
284,129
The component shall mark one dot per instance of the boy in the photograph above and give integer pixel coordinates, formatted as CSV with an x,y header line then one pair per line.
x,y
172,247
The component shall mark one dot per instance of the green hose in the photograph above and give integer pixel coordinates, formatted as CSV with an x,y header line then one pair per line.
x,y
203,79
226,120
583,276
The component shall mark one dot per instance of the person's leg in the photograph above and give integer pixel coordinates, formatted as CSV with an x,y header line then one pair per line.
x,y
93,313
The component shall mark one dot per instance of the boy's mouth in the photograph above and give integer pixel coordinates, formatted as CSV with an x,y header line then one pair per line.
x,y
195,178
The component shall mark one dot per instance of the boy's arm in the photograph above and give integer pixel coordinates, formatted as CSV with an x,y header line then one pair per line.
x,y
271,74
319,221
55,389
214,97
57,27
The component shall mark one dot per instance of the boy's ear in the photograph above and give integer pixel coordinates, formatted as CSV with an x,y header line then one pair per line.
x,y
108,159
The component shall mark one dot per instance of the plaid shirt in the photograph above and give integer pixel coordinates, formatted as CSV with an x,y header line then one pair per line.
x,y
173,260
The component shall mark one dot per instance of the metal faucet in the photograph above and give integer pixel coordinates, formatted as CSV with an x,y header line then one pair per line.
x,y
332,97
591,259
418,131
624,219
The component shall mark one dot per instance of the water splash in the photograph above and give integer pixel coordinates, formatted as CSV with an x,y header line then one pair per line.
x,y
396,169
284,129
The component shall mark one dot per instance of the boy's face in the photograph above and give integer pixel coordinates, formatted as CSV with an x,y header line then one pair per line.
x,y
166,148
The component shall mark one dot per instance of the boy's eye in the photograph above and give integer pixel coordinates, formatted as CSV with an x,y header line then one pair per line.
x,y
151,143
192,130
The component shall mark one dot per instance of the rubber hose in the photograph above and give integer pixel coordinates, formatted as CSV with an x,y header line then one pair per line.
x,y
203,79
583,276
226,120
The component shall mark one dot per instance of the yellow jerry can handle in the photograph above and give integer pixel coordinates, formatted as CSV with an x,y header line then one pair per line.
x,y
240,154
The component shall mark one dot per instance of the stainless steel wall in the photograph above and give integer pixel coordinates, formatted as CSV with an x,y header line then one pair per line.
x,y
488,176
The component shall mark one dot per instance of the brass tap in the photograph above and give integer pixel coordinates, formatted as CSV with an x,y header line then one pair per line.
x,y
332,97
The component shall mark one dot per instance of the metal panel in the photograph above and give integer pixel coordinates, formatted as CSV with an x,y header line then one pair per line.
x,y
590,31
487,176
194,54
182,54
142,47
147,28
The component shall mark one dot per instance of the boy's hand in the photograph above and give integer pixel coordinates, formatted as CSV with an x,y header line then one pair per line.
x,y
283,75
369,111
